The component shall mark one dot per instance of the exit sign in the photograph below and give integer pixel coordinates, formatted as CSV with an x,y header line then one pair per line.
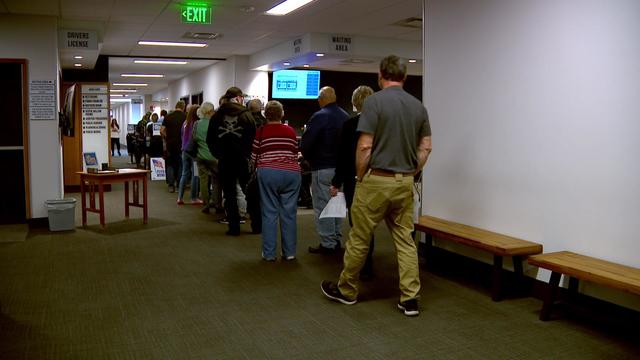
x,y
195,14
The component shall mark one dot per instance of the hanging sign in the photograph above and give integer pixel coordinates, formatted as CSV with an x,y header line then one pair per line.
x,y
195,14
340,43
78,39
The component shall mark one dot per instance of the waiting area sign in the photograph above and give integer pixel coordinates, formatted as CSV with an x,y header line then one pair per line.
x,y
195,14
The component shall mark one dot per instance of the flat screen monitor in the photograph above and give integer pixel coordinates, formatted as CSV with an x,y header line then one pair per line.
x,y
295,84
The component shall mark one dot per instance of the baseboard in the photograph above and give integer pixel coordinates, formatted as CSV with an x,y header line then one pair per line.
x,y
38,223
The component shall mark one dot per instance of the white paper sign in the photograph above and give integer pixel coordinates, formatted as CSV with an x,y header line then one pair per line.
x,y
94,101
42,100
158,170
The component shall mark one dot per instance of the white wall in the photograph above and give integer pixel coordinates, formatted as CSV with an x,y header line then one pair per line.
x,y
35,39
214,80
534,114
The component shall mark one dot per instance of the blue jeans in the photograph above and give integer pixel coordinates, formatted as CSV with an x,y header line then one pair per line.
x,y
187,173
278,200
329,229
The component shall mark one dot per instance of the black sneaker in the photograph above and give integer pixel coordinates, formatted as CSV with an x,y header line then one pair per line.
x,y
332,292
410,307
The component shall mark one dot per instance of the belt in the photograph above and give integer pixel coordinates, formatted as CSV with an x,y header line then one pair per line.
x,y
387,173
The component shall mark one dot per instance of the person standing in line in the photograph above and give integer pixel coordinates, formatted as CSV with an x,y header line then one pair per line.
x,y
255,106
186,133
170,131
207,163
115,136
230,139
346,168
320,148
394,144
275,153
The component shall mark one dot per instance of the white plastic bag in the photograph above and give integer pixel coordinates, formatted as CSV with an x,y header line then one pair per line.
x,y
336,207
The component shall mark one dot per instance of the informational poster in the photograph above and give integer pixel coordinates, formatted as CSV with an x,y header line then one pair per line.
x,y
42,100
95,121
158,169
156,129
131,128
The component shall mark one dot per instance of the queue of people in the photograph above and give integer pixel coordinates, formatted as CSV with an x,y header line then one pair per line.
x,y
239,161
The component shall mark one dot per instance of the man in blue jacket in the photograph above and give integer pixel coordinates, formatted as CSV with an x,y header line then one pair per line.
x,y
320,149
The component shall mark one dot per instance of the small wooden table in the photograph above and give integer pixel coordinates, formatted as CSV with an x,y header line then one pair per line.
x,y
99,179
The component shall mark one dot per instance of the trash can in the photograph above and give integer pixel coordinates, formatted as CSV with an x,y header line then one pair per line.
x,y
62,214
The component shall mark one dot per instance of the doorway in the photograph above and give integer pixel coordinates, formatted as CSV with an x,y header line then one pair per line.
x,y
14,157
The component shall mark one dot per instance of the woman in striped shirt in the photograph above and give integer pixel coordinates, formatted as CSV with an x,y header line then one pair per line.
x,y
275,154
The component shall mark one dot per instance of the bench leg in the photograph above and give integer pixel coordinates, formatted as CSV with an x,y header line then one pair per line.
x,y
573,288
545,313
519,275
496,285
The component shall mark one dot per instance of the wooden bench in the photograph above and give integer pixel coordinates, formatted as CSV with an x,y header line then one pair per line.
x,y
497,244
581,267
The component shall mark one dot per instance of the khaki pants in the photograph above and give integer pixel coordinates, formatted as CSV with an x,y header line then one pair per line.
x,y
390,199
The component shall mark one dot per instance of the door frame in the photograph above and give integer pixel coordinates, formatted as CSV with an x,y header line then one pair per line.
x,y
25,131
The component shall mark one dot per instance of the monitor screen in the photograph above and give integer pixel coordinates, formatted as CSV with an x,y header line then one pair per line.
x,y
295,84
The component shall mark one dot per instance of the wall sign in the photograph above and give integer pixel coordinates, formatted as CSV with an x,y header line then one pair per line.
x,y
42,100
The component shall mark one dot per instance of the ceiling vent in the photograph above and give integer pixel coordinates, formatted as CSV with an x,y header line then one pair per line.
x,y
412,22
202,35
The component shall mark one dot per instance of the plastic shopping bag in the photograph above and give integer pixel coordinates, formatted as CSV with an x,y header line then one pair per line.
x,y
336,207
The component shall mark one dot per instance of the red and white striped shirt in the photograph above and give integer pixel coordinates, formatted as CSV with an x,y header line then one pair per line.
x,y
276,147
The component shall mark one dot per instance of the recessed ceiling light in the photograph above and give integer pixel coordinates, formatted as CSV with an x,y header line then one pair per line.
x,y
413,61
78,57
319,54
129,84
286,63
143,75
164,62
170,43
77,65
287,6
305,65
124,90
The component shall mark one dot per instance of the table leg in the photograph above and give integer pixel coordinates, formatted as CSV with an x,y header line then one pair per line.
x,y
101,197
84,202
126,199
144,198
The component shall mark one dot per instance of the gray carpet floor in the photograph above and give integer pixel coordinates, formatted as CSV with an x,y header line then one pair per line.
x,y
178,288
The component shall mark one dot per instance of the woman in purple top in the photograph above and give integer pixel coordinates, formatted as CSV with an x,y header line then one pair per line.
x,y
186,131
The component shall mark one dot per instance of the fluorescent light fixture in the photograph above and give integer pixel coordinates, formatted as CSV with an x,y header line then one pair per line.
x,y
78,57
170,43
117,95
163,62
319,54
286,63
123,90
413,61
115,100
77,65
143,75
287,6
305,65
129,84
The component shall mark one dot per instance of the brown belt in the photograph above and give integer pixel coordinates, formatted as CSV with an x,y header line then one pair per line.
x,y
380,172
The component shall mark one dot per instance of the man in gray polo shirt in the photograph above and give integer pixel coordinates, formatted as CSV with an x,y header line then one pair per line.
x,y
394,145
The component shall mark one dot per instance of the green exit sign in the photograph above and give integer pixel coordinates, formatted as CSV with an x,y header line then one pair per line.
x,y
195,14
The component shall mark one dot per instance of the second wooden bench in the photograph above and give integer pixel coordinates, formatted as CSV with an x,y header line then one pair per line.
x,y
497,244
